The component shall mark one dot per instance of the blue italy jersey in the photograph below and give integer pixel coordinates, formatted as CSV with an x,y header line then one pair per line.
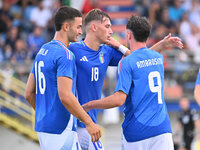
x,y
52,61
198,78
141,77
91,70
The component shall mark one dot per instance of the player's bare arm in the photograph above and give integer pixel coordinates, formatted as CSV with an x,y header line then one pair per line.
x,y
197,94
72,105
167,42
30,94
115,100
115,44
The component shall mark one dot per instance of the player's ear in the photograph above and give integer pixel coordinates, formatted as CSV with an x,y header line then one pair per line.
x,y
66,26
93,27
129,35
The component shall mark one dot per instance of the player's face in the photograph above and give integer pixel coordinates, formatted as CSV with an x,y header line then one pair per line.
x,y
75,29
104,30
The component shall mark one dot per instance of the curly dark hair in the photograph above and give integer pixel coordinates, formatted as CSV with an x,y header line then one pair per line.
x,y
140,27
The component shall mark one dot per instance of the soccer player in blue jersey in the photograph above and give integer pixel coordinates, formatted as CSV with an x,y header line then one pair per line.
x,y
140,85
51,87
197,89
92,60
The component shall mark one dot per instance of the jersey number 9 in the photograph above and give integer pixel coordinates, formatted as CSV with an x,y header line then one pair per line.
x,y
155,88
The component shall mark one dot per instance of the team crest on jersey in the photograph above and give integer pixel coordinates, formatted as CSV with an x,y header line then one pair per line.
x,y
101,58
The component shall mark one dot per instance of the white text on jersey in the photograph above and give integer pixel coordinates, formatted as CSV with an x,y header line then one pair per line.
x,y
149,62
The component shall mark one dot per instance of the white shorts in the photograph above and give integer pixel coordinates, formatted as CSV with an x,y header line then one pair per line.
x,y
67,140
160,142
85,140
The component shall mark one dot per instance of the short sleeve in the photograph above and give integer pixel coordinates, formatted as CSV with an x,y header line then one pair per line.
x,y
33,68
198,78
65,65
124,78
116,56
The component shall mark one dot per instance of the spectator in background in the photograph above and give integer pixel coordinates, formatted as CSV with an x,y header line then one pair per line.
x,y
35,41
165,20
193,42
194,13
186,5
20,52
40,16
154,14
5,17
7,52
184,28
175,11
12,36
27,16
188,123
16,12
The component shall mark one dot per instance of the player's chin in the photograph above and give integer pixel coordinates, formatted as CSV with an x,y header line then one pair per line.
x,y
107,41
75,39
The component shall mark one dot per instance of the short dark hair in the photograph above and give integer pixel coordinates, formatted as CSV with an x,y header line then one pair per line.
x,y
65,13
140,28
95,14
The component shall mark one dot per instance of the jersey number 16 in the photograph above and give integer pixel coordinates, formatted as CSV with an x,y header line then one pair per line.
x,y
39,76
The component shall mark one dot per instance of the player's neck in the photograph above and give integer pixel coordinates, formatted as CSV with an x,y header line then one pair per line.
x,y
137,45
62,38
92,43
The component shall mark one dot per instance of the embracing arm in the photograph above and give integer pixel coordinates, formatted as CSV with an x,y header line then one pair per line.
x,y
167,42
115,100
115,44
30,94
72,105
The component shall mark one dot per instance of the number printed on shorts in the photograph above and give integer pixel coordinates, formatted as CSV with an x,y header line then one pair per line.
x,y
153,88
39,75
95,74
97,145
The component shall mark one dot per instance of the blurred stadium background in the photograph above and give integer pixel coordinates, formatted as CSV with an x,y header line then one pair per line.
x,y
27,24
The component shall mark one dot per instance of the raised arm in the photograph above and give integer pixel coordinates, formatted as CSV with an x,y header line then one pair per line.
x,y
72,105
167,42
115,100
30,94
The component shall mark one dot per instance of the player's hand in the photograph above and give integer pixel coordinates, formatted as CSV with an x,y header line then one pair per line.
x,y
86,107
170,42
94,131
128,52
113,43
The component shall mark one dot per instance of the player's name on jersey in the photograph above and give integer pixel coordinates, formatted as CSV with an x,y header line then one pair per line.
x,y
43,51
149,62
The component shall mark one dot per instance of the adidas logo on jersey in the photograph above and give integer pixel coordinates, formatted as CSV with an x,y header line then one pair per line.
x,y
84,58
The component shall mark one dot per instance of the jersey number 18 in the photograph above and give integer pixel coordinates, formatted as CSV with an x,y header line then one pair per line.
x,y
95,74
